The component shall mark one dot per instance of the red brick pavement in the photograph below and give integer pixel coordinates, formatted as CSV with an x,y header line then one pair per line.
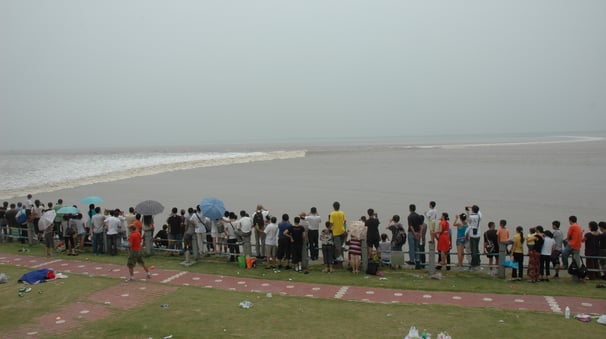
x,y
554,304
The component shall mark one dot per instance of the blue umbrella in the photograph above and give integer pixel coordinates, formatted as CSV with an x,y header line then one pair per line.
x,y
212,208
68,210
91,200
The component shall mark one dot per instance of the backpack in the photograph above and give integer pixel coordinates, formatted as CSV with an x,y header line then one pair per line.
x,y
258,219
21,217
372,268
400,237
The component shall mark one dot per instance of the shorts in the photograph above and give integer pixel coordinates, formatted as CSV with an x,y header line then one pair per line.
x,y
188,237
134,257
603,255
372,243
339,240
283,249
555,257
271,250
328,252
461,241
49,240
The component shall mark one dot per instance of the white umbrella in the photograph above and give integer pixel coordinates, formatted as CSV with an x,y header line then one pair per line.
x,y
47,219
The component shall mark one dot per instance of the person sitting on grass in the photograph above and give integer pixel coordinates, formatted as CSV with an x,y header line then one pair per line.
x,y
134,255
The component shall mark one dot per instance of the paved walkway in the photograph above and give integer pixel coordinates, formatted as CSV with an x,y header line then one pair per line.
x,y
167,280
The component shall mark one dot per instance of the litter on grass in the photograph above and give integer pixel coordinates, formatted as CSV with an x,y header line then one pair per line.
x,y
246,304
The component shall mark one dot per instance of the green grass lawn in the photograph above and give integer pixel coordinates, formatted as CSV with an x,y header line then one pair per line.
x,y
208,313
203,313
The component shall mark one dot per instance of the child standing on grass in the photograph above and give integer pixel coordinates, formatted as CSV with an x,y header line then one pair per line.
x,y
355,253
385,249
461,224
546,250
134,255
503,234
328,247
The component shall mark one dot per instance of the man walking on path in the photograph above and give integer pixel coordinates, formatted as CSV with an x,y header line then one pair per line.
x,y
134,255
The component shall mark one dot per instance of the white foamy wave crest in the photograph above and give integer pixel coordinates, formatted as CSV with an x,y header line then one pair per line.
x,y
48,173
558,140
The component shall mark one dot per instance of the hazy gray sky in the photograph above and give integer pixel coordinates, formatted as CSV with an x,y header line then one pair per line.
x,y
150,72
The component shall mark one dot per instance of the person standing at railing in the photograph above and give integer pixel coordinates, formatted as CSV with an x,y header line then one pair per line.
x,y
97,230
602,243
474,235
592,250
414,236
575,238
174,230
517,252
558,237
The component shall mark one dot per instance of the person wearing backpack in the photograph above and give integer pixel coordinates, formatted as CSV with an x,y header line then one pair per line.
x,y
21,218
259,224
398,233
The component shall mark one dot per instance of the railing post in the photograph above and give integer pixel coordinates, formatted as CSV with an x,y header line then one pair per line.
x,y
364,261
431,263
502,257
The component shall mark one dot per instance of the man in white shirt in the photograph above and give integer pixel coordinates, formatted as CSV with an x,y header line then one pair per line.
x,y
200,230
313,221
473,233
244,225
97,231
271,242
113,223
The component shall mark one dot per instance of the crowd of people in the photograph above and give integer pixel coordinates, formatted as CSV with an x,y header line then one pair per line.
x,y
283,244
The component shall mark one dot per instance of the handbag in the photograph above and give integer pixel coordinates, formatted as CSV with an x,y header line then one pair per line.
x,y
510,264
237,231
575,270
